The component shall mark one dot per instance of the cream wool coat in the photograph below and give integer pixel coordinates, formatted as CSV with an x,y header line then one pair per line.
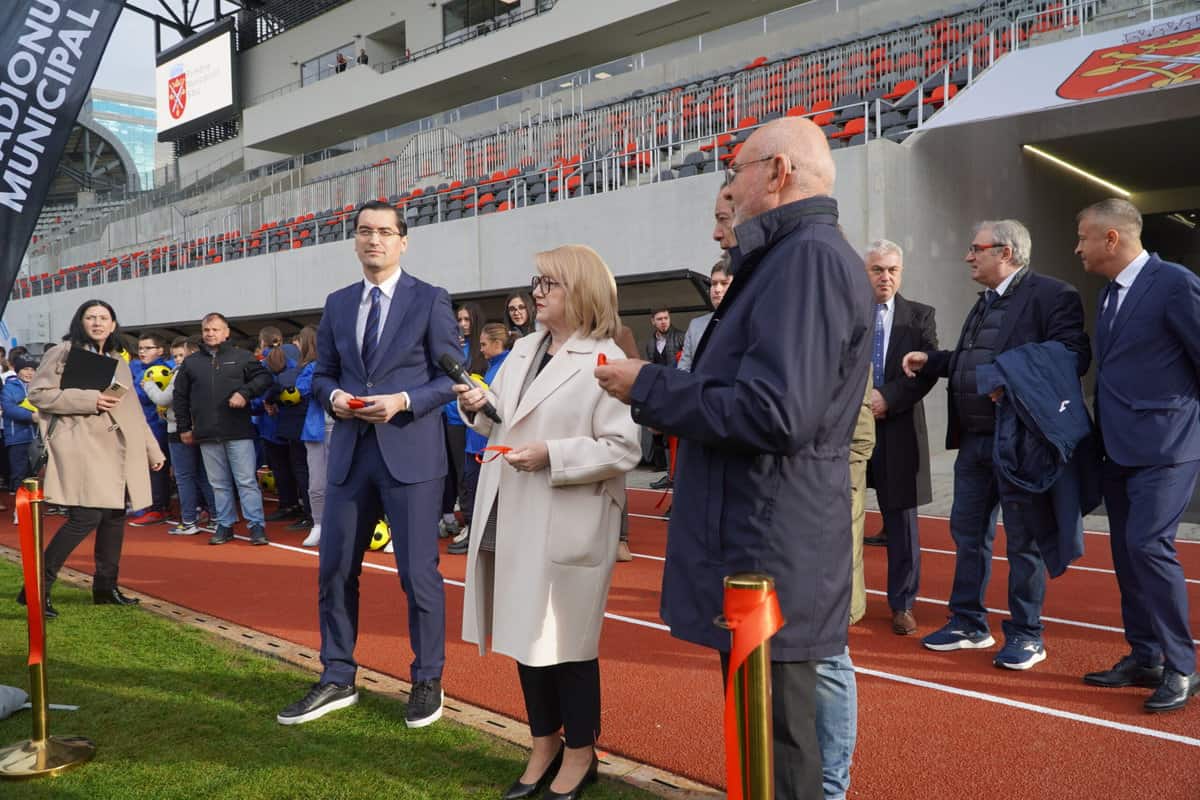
x,y
541,601
94,458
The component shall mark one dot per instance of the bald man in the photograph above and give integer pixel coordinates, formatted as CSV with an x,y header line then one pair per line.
x,y
762,478
1148,410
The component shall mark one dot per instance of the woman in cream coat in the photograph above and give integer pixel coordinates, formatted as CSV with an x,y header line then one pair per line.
x,y
101,450
548,513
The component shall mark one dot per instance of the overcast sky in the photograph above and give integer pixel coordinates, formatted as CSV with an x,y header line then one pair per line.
x,y
128,64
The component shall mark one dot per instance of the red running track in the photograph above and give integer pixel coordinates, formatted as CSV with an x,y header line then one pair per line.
x,y
931,725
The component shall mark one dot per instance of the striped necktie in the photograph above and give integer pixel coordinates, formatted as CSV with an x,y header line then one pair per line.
x,y
370,342
877,351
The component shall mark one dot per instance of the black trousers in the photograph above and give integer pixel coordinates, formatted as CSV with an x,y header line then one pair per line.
x,y
797,756
109,525
289,465
563,697
453,489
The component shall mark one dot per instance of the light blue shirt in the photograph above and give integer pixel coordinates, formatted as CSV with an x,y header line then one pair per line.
x,y
1126,277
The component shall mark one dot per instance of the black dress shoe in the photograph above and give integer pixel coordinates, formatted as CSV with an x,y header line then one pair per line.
x,y
520,790
1126,672
291,512
302,524
113,597
665,482
48,613
320,700
1174,693
876,541
577,792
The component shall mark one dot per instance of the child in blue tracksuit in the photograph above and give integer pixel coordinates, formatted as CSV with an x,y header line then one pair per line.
x,y
285,450
20,423
315,433
152,352
494,343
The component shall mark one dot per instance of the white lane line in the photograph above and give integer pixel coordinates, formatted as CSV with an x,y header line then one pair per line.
x,y
1005,613
1036,709
1100,570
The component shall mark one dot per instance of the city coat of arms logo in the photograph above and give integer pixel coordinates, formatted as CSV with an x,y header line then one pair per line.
x,y
1136,67
177,91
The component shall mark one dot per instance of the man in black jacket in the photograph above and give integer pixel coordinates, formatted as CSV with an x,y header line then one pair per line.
x,y
899,466
1019,306
213,390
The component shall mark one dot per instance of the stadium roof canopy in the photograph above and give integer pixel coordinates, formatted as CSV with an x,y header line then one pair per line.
x,y
261,19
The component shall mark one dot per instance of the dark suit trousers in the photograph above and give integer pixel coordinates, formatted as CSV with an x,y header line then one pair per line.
x,y
904,557
797,756
352,510
1144,506
109,525
978,491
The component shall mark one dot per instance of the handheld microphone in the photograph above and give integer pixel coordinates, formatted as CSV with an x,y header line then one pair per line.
x,y
451,367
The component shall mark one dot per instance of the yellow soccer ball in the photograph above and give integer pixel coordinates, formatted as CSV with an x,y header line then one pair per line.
x,y
159,374
28,406
266,480
381,536
289,396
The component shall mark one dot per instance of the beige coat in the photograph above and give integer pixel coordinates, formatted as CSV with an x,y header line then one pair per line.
x,y
94,458
541,599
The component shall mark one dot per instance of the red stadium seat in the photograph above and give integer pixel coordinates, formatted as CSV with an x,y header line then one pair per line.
x,y
853,127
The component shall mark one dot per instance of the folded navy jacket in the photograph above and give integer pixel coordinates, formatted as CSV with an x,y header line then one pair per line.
x,y
1044,440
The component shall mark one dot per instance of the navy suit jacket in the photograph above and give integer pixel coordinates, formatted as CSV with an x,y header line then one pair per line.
x,y
419,328
1040,309
1148,370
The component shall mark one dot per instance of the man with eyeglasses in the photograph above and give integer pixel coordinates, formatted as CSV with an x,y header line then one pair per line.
x,y
1018,306
762,474
377,373
151,352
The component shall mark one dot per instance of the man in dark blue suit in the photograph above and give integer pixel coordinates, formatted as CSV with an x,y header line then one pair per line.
x,y
1018,307
765,419
1148,408
378,346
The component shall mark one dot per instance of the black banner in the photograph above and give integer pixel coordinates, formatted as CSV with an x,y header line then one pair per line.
x,y
49,52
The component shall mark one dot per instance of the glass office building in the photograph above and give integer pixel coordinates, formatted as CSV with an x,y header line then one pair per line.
x,y
131,118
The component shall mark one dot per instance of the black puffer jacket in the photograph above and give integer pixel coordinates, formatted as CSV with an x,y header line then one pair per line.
x,y
205,382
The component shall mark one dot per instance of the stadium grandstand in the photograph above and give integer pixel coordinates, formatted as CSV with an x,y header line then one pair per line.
x,y
610,123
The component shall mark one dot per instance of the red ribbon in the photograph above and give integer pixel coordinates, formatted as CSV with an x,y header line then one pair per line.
x,y
753,617
33,589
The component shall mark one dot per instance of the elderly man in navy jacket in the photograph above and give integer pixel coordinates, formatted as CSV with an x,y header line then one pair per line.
x,y
1148,407
1018,306
765,419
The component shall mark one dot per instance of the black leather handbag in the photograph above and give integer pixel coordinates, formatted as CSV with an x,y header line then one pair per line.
x,y
39,450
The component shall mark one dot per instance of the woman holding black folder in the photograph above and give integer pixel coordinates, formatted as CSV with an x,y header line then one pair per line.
x,y
101,449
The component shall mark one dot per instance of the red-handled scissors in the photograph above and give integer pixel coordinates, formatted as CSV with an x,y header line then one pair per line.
x,y
498,449
355,404
601,360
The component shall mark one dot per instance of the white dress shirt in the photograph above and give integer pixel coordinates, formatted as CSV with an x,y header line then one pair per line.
x,y
1004,284
387,291
1126,277
889,314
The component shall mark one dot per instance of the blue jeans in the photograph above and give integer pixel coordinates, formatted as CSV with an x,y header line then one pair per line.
x,y
229,463
191,480
837,721
978,492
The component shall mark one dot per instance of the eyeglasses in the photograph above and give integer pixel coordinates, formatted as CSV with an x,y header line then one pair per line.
x,y
142,348
733,169
976,249
514,308
383,233
541,282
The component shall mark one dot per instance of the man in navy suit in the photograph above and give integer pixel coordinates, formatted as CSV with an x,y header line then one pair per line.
x,y
377,373
1018,307
899,465
1148,409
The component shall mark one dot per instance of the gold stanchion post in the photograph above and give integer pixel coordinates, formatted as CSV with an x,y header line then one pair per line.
x,y
43,754
752,693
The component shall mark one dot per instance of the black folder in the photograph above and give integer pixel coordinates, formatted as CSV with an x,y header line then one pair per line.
x,y
87,370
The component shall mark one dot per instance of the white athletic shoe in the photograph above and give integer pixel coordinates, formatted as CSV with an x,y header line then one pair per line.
x,y
314,537
389,548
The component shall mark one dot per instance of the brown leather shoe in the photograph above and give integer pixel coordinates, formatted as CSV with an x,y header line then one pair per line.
x,y
904,623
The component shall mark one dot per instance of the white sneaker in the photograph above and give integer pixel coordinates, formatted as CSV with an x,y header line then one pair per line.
x,y
314,537
389,548
462,534
184,529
